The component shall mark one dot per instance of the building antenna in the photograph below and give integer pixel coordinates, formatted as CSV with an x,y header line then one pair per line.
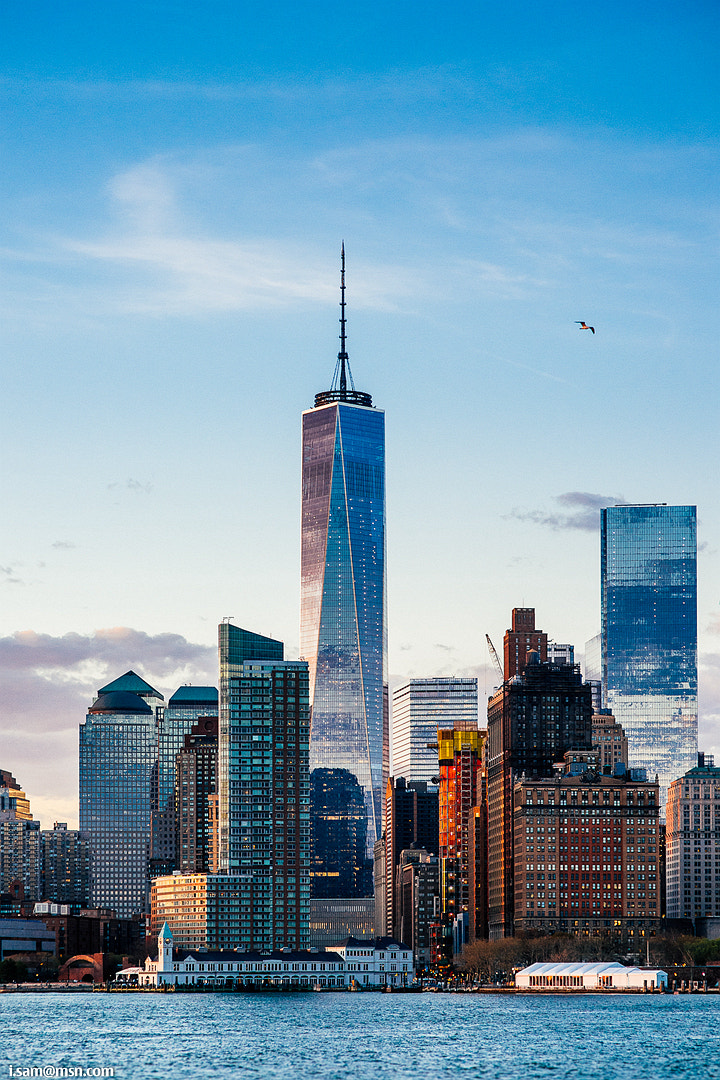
x,y
342,355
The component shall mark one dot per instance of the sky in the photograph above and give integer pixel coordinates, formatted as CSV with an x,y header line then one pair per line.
x,y
176,181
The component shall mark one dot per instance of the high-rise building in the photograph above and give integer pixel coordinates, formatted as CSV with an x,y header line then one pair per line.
x,y
65,866
418,900
195,784
533,718
419,708
459,754
586,851
477,870
14,803
649,633
609,739
183,710
20,856
343,632
340,865
523,637
692,843
264,790
411,818
118,779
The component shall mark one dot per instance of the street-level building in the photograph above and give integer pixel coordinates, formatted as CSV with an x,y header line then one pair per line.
x,y
693,843
602,976
355,962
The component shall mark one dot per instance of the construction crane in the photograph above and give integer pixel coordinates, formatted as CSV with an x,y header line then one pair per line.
x,y
495,657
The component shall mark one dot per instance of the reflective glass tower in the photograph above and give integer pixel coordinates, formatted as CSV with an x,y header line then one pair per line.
x,y
649,633
343,632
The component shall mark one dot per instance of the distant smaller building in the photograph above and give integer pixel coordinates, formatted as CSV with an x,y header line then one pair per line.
x,y
693,844
25,936
599,976
333,920
608,739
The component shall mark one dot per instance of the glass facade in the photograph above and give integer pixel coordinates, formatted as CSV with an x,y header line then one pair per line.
x,y
343,632
118,766
183,710
649,634
420,707
264,789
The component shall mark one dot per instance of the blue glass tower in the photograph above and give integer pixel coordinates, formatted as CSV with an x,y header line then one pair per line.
x,y
649,633
343,632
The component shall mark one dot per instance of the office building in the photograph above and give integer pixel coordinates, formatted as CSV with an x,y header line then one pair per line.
x,y
609,739
649,633
692,842
195,786
20,858
411,819
264,789
118,779
560,654
14,803
340,867
419,708
586,852
332,921
522,637
65,866
175,721
418,900
459,756
532,720
592,669
343,630
477,868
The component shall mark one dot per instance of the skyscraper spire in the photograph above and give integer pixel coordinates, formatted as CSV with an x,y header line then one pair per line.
x,y
343,374
342,355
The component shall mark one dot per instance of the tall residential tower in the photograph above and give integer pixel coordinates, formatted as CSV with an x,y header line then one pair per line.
x,y
343,633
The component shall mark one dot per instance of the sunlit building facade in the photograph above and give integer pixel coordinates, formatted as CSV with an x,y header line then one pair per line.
x,y
343,633
118,771
649,633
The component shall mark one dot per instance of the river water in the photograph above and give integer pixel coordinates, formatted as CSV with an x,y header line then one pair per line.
x,y
363,1037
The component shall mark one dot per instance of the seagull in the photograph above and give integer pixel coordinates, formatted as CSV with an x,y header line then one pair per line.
x,y
584,326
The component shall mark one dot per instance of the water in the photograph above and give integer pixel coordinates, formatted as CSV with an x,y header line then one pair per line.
x,y
363,1037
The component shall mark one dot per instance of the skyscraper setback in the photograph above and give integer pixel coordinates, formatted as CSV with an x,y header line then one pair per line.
x,y
343,632
649,633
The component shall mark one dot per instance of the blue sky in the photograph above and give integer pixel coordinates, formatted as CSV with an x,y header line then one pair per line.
x,y
176,181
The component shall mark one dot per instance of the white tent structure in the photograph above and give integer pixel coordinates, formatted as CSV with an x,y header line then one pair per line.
x,y
600,976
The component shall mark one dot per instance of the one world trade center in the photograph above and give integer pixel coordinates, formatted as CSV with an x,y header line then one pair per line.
x,y
343,631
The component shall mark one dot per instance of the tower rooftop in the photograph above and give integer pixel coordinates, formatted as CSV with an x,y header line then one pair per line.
x,y
339,390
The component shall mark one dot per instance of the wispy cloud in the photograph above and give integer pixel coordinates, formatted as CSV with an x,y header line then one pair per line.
x,y
581,511
9,575
63,545
128,485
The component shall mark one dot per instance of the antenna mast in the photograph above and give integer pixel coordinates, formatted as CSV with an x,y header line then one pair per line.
x,y
342,355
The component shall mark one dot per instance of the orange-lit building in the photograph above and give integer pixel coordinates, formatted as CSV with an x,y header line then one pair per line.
x,y
459,757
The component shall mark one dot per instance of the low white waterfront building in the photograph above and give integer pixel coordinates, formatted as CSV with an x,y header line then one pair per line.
x,y
599,976
368,964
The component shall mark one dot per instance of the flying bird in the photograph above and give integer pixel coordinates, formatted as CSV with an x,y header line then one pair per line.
x,y
584,326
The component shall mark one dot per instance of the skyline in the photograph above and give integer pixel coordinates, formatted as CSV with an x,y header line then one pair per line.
x,y
177,185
